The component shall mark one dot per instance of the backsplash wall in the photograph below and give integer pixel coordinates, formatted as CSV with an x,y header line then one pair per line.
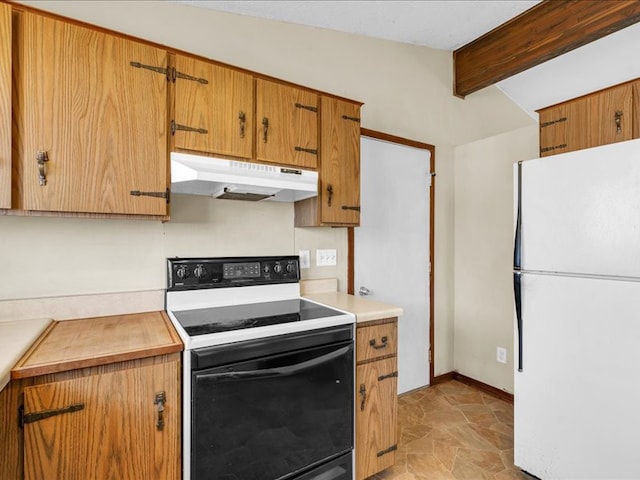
x,y
50,257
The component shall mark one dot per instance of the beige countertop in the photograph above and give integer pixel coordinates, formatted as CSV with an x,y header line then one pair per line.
x,y
15,339
364,309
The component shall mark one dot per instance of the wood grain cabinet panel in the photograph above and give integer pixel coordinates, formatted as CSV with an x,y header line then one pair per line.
x,y
600,118
377,341
610,116
376,416
5,105
376,397
93,102
338,200
340,162
213,109
109,429
286,125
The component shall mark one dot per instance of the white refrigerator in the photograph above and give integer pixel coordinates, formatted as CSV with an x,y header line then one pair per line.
x,y
577,302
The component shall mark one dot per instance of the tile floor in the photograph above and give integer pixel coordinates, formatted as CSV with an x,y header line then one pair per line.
x,y
453,431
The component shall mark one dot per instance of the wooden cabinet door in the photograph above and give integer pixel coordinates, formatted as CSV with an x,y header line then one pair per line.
x,y
213,109
286,125
94,104
114,435
5,105
340,165
610,115
376,416
564,127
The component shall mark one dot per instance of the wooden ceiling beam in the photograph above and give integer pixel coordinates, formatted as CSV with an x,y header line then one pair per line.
x,y
543,32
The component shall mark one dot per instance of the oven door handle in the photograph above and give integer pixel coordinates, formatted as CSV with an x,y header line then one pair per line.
x,y
273,372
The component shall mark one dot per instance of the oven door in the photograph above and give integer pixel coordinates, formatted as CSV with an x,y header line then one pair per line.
x,y
274,416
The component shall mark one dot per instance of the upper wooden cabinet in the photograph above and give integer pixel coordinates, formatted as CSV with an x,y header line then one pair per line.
x,y
338,200
213,108
92,131
340,162
604,117
286,125
5,105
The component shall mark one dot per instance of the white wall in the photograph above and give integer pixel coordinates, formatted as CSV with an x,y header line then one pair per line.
x,y
484,253
406,91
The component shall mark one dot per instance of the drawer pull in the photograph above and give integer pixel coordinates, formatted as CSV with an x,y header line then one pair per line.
x,y
389,375
392,448
378,347
363,395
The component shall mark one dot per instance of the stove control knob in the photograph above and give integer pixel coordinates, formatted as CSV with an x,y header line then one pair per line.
x,y
266,269
277,268
182,272
291,268
199,271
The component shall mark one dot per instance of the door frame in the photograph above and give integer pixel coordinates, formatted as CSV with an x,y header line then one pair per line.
x,y
365,132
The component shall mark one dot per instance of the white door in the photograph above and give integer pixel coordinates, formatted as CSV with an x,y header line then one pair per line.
x,y
392,246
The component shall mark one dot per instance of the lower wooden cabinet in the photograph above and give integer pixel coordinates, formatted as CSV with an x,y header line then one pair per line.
x,y
117,421
376,397
122,424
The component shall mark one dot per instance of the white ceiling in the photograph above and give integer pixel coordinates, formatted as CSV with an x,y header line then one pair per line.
x,y
452,23
438,24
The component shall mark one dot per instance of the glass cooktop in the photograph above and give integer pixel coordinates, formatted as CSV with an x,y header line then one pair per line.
x,y
237,317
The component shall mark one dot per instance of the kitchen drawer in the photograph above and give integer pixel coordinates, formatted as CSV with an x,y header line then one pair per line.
x,y
376,341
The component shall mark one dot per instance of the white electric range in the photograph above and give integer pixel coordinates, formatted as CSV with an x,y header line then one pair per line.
x,y
267,375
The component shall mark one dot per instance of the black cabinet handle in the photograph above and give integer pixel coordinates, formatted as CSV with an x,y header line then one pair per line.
x,y
159,402
42,157
363,396
329,194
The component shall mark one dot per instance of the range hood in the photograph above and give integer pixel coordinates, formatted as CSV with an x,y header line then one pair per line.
x,y
236,180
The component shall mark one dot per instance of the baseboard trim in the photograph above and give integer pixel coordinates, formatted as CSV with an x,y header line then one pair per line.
x,y
472,382
445,377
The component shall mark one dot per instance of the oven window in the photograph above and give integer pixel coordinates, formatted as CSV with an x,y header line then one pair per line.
x,y
273,417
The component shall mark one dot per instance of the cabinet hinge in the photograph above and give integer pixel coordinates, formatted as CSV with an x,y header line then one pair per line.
x,y
353,119
311,108
389,375
176,126
349,207
184,76
553,122
306,150
392,448
137,193
25,418
165,71
555,147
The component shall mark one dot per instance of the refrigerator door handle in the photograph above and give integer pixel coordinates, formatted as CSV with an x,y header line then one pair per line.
x,y
517,291
517,243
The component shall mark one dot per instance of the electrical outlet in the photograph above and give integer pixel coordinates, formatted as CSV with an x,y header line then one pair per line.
x,y
501,355
305,259
326,257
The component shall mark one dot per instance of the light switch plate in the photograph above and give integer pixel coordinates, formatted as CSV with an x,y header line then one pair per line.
x,y
326,257
305,259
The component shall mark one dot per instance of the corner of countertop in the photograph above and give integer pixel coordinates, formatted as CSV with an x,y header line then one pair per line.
x,y
16,337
